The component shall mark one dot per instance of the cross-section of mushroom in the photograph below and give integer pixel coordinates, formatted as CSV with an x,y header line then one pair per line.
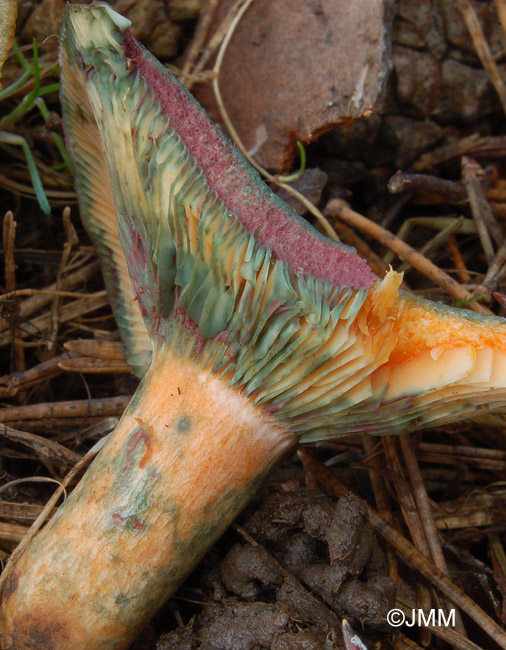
x,y
261,333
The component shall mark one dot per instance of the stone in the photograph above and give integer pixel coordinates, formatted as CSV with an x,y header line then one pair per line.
x,y
294,70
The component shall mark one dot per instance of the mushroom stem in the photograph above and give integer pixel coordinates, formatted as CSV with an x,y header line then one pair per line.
x,y
185,458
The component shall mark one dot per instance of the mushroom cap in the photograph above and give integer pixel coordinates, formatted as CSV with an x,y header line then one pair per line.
x,y
223,271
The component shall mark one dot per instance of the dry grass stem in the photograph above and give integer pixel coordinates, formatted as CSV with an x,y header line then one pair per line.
x,y
216,40
458,260
23,511
437,241
425,515
71,240
409,512
486,226
9,235
12,532
39,300
197,44
440,224
348,236
479,458
483,50
471,511
401,642
72,425
39,325
495,273
498,553
473,145
48,509
381,496
48,448
500,7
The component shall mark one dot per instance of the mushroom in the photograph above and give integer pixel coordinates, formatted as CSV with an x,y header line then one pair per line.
x,y
261,333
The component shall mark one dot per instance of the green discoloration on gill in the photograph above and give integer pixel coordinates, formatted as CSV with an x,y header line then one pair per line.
x,y
297,346
204,285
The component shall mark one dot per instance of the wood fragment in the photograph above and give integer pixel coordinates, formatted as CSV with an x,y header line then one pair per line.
x,y
44,446
40,300
94,366
96,348
104,407
337,208
12,532
473,145
11,385
451,191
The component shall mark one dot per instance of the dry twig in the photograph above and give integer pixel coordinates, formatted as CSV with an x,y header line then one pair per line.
x,y
338,208
483,50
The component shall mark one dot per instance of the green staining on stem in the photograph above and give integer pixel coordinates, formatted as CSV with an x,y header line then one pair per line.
x,y
184,424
